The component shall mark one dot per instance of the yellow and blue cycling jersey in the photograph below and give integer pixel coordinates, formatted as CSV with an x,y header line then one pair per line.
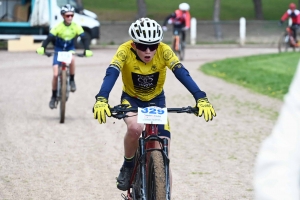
x,y
144,80
65,35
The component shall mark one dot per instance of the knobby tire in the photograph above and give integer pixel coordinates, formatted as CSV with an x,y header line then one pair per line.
x,y
63,95
156,177
136,193
282,45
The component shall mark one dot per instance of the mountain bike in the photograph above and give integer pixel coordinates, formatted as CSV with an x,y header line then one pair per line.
x,y
150,179
177,44
284,42
63,80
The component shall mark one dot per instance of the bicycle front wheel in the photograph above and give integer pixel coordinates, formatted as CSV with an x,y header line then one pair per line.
x,y
156,177
181,51
283,43
63,95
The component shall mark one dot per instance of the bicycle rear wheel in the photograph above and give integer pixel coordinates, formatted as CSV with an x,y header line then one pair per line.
x,y
63,95
156,177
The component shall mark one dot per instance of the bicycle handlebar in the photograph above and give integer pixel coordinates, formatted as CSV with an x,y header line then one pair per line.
x,y
119,111
49,54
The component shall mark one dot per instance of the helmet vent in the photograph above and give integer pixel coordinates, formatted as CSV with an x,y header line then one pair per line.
x,y
139,31
132,34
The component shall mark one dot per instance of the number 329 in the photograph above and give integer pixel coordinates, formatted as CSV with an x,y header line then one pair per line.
x,y
152,110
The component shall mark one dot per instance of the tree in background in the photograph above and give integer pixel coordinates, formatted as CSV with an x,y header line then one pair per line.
x,y
216,18
142,8
258,9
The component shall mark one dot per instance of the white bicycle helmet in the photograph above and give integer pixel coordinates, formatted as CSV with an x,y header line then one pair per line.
x,y
146,31
184,6
67,8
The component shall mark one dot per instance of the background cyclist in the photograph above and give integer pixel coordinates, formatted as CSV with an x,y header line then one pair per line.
x,y
180,19
64,35
294,14
143,62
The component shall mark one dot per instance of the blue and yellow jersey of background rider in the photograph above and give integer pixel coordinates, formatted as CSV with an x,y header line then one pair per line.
x,y
144,80
65,35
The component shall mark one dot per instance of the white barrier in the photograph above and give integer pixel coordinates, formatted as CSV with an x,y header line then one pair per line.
x,y
242,31
193,31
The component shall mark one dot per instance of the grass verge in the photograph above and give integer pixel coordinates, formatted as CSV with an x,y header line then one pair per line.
x,y
200,9
268,74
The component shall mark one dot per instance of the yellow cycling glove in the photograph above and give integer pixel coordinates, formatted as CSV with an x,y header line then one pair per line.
x,y
40,50
88,53
205,108
101,109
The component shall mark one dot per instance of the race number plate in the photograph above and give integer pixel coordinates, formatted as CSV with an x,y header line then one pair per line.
x,y
152,115
64,56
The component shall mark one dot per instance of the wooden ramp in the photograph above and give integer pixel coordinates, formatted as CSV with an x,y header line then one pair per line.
x,y
25,43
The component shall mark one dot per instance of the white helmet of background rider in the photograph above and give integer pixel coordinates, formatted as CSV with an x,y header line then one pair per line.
x,y
184,7
67,8
146,31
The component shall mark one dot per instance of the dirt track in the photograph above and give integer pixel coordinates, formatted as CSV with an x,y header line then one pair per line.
x,y
42,159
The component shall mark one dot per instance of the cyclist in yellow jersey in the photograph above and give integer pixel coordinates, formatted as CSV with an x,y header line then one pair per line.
x,y
143,62
64,35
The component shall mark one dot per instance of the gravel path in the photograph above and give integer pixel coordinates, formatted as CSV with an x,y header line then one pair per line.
x,y
42,159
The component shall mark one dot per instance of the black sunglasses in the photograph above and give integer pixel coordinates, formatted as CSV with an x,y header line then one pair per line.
x,y
68,16
144,47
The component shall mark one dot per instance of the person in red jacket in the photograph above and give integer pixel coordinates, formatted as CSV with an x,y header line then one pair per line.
x,y
294,14
181,19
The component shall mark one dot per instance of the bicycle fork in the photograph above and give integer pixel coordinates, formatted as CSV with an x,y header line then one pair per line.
x,y
143,167
142,144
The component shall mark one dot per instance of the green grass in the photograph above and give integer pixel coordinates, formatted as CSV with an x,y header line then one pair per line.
x,y
200,9
269,74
